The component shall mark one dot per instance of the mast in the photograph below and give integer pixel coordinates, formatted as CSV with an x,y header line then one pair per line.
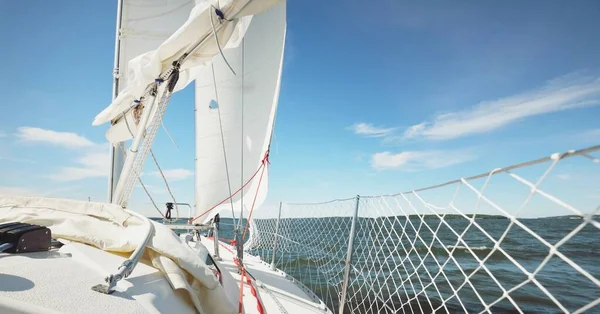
x,y
116,156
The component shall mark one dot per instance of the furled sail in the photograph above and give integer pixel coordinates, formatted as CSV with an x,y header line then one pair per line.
x,y
200,27
145,25
238,110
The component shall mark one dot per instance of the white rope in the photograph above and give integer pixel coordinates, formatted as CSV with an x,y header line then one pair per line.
x,y
161,174
239,227
217,41
146,190
169,134
223,141
219,106
166,183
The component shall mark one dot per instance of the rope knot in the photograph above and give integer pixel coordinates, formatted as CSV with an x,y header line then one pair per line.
x,y
266,158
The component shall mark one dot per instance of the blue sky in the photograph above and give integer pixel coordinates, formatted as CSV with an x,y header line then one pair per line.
x,y
375,99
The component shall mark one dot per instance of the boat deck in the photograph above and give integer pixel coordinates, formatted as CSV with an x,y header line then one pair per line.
x,y
61,281
273,288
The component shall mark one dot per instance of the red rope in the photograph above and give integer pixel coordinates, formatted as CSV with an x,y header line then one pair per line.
x,y
262,165
241,299
259,305
255,195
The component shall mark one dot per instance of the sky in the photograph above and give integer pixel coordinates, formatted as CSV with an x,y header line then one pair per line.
x,y
376,98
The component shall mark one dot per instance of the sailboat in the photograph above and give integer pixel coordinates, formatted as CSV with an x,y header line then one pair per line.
x,y
68,256
462,246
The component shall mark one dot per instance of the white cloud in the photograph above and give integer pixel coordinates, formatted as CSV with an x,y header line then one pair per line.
x,y
92,165
418,160
174,174
64,139
563,176
560,94
369,130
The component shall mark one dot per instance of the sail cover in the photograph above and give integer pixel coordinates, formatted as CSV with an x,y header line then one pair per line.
x,y
246,103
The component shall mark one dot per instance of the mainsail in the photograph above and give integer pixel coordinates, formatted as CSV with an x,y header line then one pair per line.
x,y
235,114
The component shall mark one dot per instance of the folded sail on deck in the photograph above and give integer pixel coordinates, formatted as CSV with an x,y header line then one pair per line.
x,y
247,103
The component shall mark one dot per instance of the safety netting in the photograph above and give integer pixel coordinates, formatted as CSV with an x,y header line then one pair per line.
x,y
524,238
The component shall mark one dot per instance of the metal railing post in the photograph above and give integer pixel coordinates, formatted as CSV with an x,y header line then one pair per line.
x,y
349,256
276,237
216,242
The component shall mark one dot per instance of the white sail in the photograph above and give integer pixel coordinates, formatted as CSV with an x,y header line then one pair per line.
x,y
247,103
193,45
197,31
145,25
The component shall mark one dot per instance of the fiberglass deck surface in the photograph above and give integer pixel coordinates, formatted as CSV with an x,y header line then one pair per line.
x,y
277,293
61,280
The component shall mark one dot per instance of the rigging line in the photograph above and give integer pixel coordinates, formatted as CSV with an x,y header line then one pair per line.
x,y
212,23
166,183
223,141
146,190
169,135
241,296
249,279
159,169
242,148
229,197
265,165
